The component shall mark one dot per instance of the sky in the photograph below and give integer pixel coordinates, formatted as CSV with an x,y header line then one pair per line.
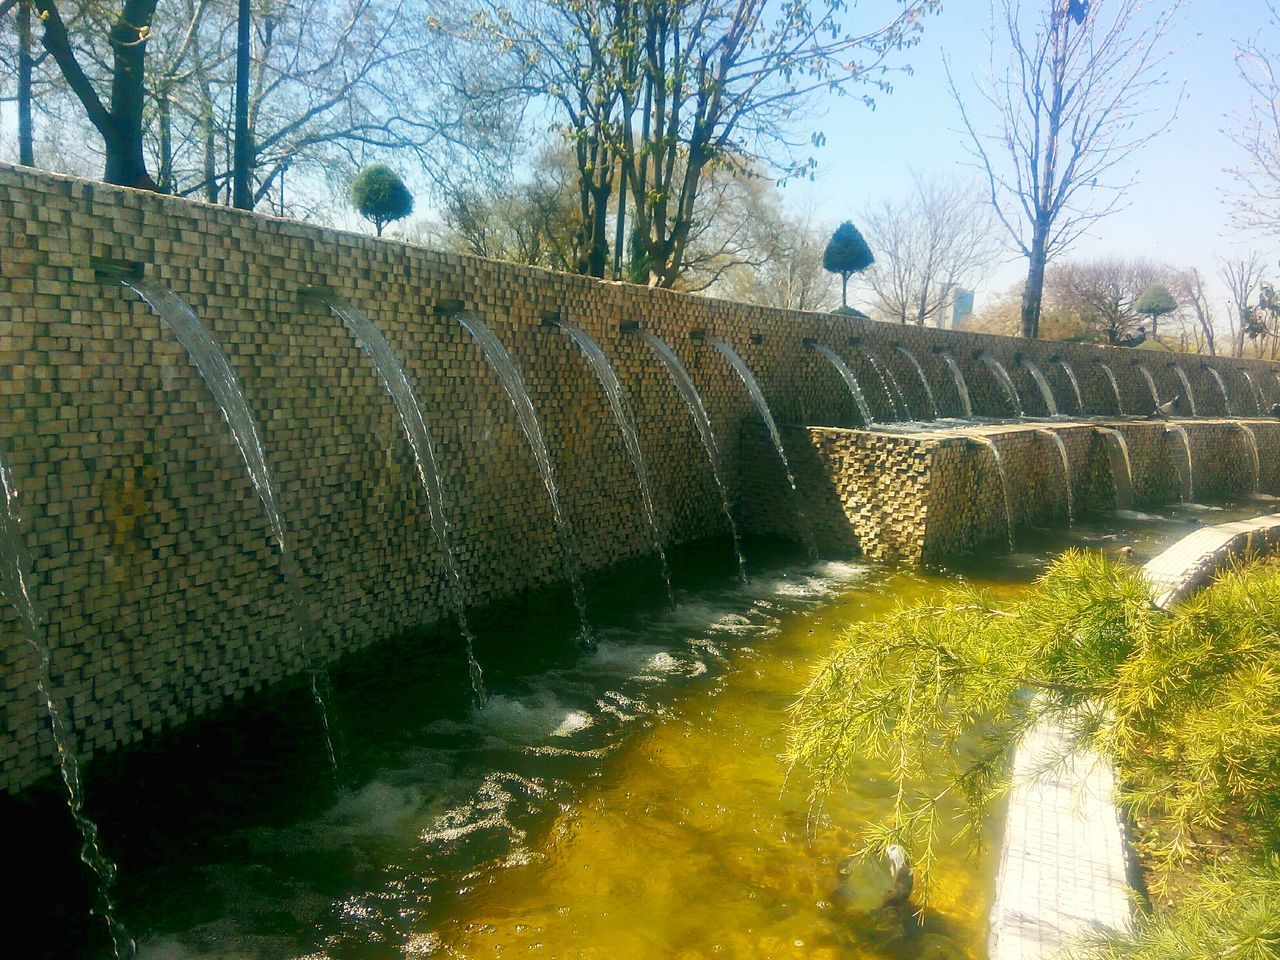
x,y
1175,212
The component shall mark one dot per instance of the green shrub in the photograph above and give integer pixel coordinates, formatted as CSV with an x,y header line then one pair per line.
x,y
380,196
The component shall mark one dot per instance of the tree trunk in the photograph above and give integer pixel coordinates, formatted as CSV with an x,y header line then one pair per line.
x,y
126,160
1033,292
619,235
242,192
26,135
598,256
844,291
166,140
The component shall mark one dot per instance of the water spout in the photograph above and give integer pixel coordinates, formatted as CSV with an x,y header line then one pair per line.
x,y
1251,441
392,374
1186,476
701,420
998,460
924,381
14,564
897,400
962,388
1151,385
1075,384
850,381
1056,439
1046,392
626,421
1002,376
757,396
1222,389
531,427
1115,386
1254,389
1121,468
220,378
1186,385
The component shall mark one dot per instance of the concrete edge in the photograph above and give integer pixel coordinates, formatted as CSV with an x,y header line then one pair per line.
x,y
1064,861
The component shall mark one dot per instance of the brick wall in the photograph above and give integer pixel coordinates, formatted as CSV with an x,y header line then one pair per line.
x,y
152,560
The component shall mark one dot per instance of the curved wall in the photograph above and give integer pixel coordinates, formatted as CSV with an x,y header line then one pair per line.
x,y
151,558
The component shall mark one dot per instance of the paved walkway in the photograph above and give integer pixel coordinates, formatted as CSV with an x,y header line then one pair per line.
x,y
1063,866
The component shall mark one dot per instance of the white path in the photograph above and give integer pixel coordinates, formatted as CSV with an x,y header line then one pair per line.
x,y
1063,865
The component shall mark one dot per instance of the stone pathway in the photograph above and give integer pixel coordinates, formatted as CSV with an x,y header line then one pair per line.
x,y
1063,866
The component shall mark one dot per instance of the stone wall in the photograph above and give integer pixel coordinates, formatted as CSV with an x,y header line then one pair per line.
x,y
152,560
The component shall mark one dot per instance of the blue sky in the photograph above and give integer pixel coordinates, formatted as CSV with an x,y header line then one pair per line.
x,y
1175,212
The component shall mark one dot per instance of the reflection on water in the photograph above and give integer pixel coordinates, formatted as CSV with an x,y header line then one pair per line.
x,y
623,802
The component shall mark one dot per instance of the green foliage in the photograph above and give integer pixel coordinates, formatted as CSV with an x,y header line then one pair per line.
x,y
1185,703
1156,301
846,251
380,196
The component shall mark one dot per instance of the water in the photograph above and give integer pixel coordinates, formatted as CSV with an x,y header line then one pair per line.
x,y
962,388
396,381
1222,388
1056,439
1002,375
218,375
998,460
1186,385
1045,390
702,421
924,381
531,426
1251,440
14,564
757,396
850,381
1075,385
1115,386
1255,391
626,421
1151,385
897,399
1121,468
1187,476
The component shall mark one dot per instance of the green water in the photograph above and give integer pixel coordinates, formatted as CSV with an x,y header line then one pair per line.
x,y
627,802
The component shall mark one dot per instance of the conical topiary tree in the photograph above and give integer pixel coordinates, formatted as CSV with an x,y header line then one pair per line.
x,y
1156,301
380,196
846,254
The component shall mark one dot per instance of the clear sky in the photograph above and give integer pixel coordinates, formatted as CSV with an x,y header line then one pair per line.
x,y
1175,213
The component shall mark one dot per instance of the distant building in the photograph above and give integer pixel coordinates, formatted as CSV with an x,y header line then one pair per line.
x,y
958,309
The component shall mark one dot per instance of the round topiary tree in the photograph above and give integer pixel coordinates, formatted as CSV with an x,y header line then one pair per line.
x,y
846,254
1156,301
380,196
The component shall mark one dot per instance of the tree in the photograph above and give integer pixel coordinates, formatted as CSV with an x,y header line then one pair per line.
x,y
931,244
380,196
1156,302
1182,702
846,254
1241,275
655,94
1191,291
1256,204
1069,110
118,120
1103,294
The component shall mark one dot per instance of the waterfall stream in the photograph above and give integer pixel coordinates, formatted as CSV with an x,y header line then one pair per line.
x,y
702,421
626,422
509,376
1222,388
962,388
1188,476
1121,468
1075,385
1186,385
1254,390
1046,392
1002,376
1151,385
897,399
14,563
850,381
1115,386
924,381
1251,439
998,460
1056,439
396,381
220,377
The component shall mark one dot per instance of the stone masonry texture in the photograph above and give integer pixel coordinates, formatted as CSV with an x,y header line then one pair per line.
x,y
152,561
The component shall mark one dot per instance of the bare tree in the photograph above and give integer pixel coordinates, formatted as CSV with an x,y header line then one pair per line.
x,y
928,246
1189,287
1242,276
1102,295
1256,203
658,93
1069,100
